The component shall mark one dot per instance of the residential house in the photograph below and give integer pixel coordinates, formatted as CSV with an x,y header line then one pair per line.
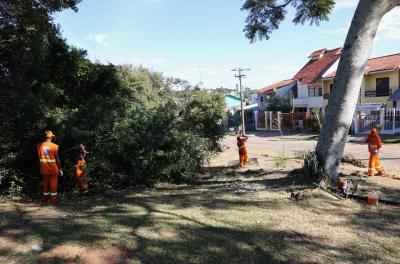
x,y
231,101
281,89
312,85
309,90
380,84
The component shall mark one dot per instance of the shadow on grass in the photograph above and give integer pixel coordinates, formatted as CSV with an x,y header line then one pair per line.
x,y
137,226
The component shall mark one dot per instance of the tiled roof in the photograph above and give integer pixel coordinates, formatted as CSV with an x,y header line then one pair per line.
x,y
275,86
388,63
315,68
383,63
317,53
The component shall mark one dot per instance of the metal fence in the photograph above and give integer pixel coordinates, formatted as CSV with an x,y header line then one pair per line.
x,y
386,119
295,122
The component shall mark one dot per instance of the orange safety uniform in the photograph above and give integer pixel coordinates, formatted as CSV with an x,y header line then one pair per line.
x,y
374,146
243,157
49,170
82,183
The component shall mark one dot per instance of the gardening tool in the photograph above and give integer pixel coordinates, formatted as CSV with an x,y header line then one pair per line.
x,y
326,190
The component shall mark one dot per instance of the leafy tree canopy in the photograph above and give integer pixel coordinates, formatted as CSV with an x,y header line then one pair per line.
x,y
265,16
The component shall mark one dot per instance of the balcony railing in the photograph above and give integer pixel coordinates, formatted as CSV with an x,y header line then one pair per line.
x,y
375,94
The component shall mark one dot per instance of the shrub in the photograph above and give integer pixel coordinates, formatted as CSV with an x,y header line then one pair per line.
x,y
136,127
312,169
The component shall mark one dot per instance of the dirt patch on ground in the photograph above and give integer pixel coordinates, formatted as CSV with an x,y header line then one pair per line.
x,y
385,181
8,246
78,254
350,159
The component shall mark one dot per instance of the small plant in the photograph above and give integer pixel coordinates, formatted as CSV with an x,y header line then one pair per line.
x,y
14,189
312,170
299,154
316,116
280,162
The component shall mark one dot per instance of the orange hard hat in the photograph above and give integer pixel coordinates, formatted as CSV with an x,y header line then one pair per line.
x,y
49,134
373,130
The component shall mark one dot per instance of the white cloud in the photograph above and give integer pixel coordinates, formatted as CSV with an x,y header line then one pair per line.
x,y
100,38
346,3
389,28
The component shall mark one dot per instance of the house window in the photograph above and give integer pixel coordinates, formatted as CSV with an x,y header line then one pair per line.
x,y
314,91
330,88
262,99
382,86
300,109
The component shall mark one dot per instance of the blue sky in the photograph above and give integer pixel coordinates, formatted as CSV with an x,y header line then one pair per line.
x,y
203,40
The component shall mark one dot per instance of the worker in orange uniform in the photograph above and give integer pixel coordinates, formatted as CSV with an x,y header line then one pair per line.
x,y
241,143
50,167
374,146
82,184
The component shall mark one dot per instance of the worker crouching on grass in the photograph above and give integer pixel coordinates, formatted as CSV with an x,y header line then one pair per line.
x,y
374,147
241,143
82,184
50,167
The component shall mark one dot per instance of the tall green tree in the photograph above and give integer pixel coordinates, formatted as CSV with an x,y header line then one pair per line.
x,y
137,129
265,16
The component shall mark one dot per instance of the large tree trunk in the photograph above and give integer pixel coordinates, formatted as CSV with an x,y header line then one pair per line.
x,y
343,100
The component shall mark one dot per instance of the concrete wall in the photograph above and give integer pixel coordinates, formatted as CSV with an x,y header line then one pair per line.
x,y
326,85
262,105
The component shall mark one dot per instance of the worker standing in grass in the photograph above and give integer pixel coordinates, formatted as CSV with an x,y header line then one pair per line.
x,y
241,143
50,167
374,147
82,184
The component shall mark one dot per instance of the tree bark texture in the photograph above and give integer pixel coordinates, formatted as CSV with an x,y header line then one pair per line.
x,y
350,72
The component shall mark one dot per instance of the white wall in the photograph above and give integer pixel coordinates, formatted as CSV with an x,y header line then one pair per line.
x,y
302,90
331,69
262,105
254,98
303,98
310,102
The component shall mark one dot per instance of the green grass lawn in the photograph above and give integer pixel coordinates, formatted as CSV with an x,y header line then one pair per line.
x,y
391,140
203,223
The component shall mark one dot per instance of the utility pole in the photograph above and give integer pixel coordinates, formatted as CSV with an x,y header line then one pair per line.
x,y
240,76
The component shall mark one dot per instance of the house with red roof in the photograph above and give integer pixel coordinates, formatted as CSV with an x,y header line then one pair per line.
x,y
305,88
309,91
281,89
312,85
380,84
